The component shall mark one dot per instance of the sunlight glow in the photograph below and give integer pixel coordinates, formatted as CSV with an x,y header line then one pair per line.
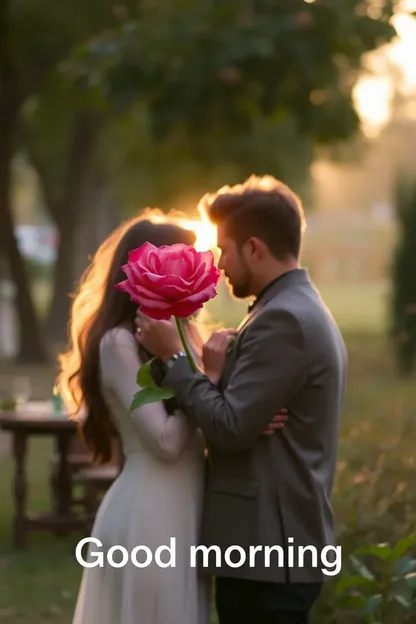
x,y
206,232
373,93
403,51
373,97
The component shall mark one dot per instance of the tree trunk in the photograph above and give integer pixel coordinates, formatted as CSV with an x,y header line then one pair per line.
x,y
31,346
96,224
58,313
67,215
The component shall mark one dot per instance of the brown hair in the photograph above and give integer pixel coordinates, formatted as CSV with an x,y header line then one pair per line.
x,y
262,207
97,308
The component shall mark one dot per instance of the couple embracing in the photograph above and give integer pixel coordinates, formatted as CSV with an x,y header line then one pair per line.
x,y
268,407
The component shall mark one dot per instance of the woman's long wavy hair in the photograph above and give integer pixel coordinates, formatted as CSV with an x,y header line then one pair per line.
x,y
98,307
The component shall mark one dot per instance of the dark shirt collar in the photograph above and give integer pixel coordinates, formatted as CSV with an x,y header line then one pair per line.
x,y
267,288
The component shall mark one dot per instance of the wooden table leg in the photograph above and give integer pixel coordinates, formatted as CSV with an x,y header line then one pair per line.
x,y
64,475
20,489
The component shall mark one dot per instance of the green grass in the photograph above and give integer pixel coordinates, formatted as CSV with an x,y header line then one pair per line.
x,y
39,584
375,495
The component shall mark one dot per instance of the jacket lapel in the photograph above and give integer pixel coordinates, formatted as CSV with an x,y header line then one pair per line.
x,y
294,278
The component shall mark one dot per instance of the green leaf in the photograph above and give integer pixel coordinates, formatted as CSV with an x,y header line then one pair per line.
x,y
361,568
144,376
405,565
402,600
373,604
354,581
403,546
381,551
151,395
352,602
411,588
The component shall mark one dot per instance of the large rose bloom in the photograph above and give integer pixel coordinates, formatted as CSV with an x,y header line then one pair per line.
x,y
172,280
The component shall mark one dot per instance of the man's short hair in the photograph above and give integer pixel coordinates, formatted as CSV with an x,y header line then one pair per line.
x,y
262,207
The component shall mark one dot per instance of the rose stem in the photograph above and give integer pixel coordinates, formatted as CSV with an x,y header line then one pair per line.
x,y
185,343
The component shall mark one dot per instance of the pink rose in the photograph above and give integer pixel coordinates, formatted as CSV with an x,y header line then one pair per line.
x,y
172,280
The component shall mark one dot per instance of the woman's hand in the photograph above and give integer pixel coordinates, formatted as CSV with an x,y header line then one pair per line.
x,y
214,353
277,423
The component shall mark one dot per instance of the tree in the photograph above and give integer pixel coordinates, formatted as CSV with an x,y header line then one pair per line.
x,y
253,85
36,36
61,137
211,69
403,304
12,94
166,173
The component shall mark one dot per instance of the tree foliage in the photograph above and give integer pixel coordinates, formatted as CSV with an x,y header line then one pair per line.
x,y
236,87
403,308
212,68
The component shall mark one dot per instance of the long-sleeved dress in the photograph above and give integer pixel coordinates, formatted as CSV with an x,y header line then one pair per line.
x,y
158,496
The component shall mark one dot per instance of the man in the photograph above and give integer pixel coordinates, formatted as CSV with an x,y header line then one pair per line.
x,y
265,491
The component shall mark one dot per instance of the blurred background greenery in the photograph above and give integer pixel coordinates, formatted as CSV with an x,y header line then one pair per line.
x,y
107,109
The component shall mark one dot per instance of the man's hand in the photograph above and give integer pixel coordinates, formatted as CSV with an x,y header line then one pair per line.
x,y
214,353
160,338
277,423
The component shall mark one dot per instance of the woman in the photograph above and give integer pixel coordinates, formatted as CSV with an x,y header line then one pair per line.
x,y
158,494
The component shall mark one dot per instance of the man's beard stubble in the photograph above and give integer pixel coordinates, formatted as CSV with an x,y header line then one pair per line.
x,y
241,290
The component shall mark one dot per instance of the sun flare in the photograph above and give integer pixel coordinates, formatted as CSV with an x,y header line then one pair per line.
x,y
373,94
206,232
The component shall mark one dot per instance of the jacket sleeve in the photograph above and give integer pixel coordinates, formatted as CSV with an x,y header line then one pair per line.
x,y
270,369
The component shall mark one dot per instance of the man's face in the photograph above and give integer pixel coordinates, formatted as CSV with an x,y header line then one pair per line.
x,y
234,265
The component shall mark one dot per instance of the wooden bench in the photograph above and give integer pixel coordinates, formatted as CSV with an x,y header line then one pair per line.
x,y
93,480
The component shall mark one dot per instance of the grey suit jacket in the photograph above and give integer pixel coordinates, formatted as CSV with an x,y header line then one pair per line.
x,y
271,491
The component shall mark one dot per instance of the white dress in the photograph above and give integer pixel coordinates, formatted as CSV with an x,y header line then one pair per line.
x,y
158,496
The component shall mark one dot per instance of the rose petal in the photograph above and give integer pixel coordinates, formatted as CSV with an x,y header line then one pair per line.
x,y
203,262
125,286
212,277
151,303
156,313
155,282
198,277
136,273
193,255
185,309
201,296
142,252
167,252
130,271
207,257
154,262
148,295
173,292
176,265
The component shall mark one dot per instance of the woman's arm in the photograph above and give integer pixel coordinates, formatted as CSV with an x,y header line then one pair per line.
x,y
166,435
